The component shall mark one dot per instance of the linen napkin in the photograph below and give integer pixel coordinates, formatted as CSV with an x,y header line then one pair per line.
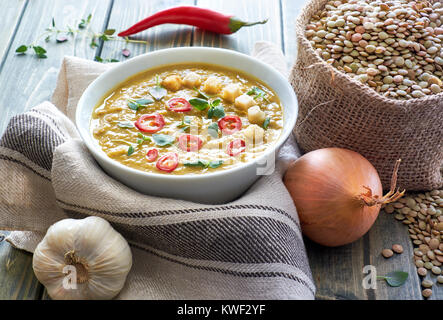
x,y
251,248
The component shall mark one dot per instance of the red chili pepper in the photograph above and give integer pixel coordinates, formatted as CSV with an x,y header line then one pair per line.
x,y
152,155
168,162
179,105
230,124
189,142
150,123
236,147
198,17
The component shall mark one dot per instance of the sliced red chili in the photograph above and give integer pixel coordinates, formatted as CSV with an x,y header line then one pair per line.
x,y
152,155
230,124
189,142
150,123
168,162
236,147
179,105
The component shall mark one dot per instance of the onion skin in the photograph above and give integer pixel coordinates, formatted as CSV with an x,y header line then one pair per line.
x,y
326,185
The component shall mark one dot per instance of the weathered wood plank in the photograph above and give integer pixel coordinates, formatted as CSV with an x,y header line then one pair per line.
x,y
28,81
337,271
21,74
247,10
289,11
17,280
386,232
160,37
11,13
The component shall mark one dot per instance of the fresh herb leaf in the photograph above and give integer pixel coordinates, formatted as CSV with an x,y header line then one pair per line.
x,y
109,32
98,59
140,103
163,140
266,123
199,104
215,164
257,92
158,92
143,137
126,124
133,105
22,49
204,164
197,163
53,23
40,52
144,102
395,279
71,31
131,150
185,124
48,38
84,22
103,37
215,103
213,130
217,112
93,43
201,94
216,109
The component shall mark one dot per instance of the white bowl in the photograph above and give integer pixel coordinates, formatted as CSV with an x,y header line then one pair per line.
x,y
217,187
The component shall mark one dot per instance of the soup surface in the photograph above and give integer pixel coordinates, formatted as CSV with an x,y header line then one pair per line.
x,y
187,119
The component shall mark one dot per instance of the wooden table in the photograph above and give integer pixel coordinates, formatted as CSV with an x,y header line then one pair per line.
x,y
26,81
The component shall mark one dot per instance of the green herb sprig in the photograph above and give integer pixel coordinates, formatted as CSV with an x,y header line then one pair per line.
x,y
61,35
215,108
185,124
158,92
142,138
139,103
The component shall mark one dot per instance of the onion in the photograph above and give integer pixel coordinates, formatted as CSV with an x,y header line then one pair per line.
x,y
338,194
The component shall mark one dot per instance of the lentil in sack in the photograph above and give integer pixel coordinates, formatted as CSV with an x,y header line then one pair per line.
x,y
340,109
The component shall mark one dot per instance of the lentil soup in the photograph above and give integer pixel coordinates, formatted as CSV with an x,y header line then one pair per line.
x,y
187,119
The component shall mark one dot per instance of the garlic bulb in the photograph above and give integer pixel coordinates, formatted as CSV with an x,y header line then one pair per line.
x,y
82,259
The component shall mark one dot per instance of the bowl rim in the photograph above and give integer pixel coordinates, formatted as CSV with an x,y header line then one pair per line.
x,y
88,140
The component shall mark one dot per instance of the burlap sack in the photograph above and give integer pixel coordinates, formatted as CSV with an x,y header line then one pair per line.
x,y
338,111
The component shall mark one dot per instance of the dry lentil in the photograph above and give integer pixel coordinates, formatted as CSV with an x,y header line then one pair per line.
x,y
426,228
427,293
387,253
403,37
397,248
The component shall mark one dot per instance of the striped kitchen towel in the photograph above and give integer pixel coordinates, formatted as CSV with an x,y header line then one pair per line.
x,y
251,248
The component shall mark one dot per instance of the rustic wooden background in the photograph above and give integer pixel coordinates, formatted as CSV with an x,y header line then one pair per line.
x,y
25,81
